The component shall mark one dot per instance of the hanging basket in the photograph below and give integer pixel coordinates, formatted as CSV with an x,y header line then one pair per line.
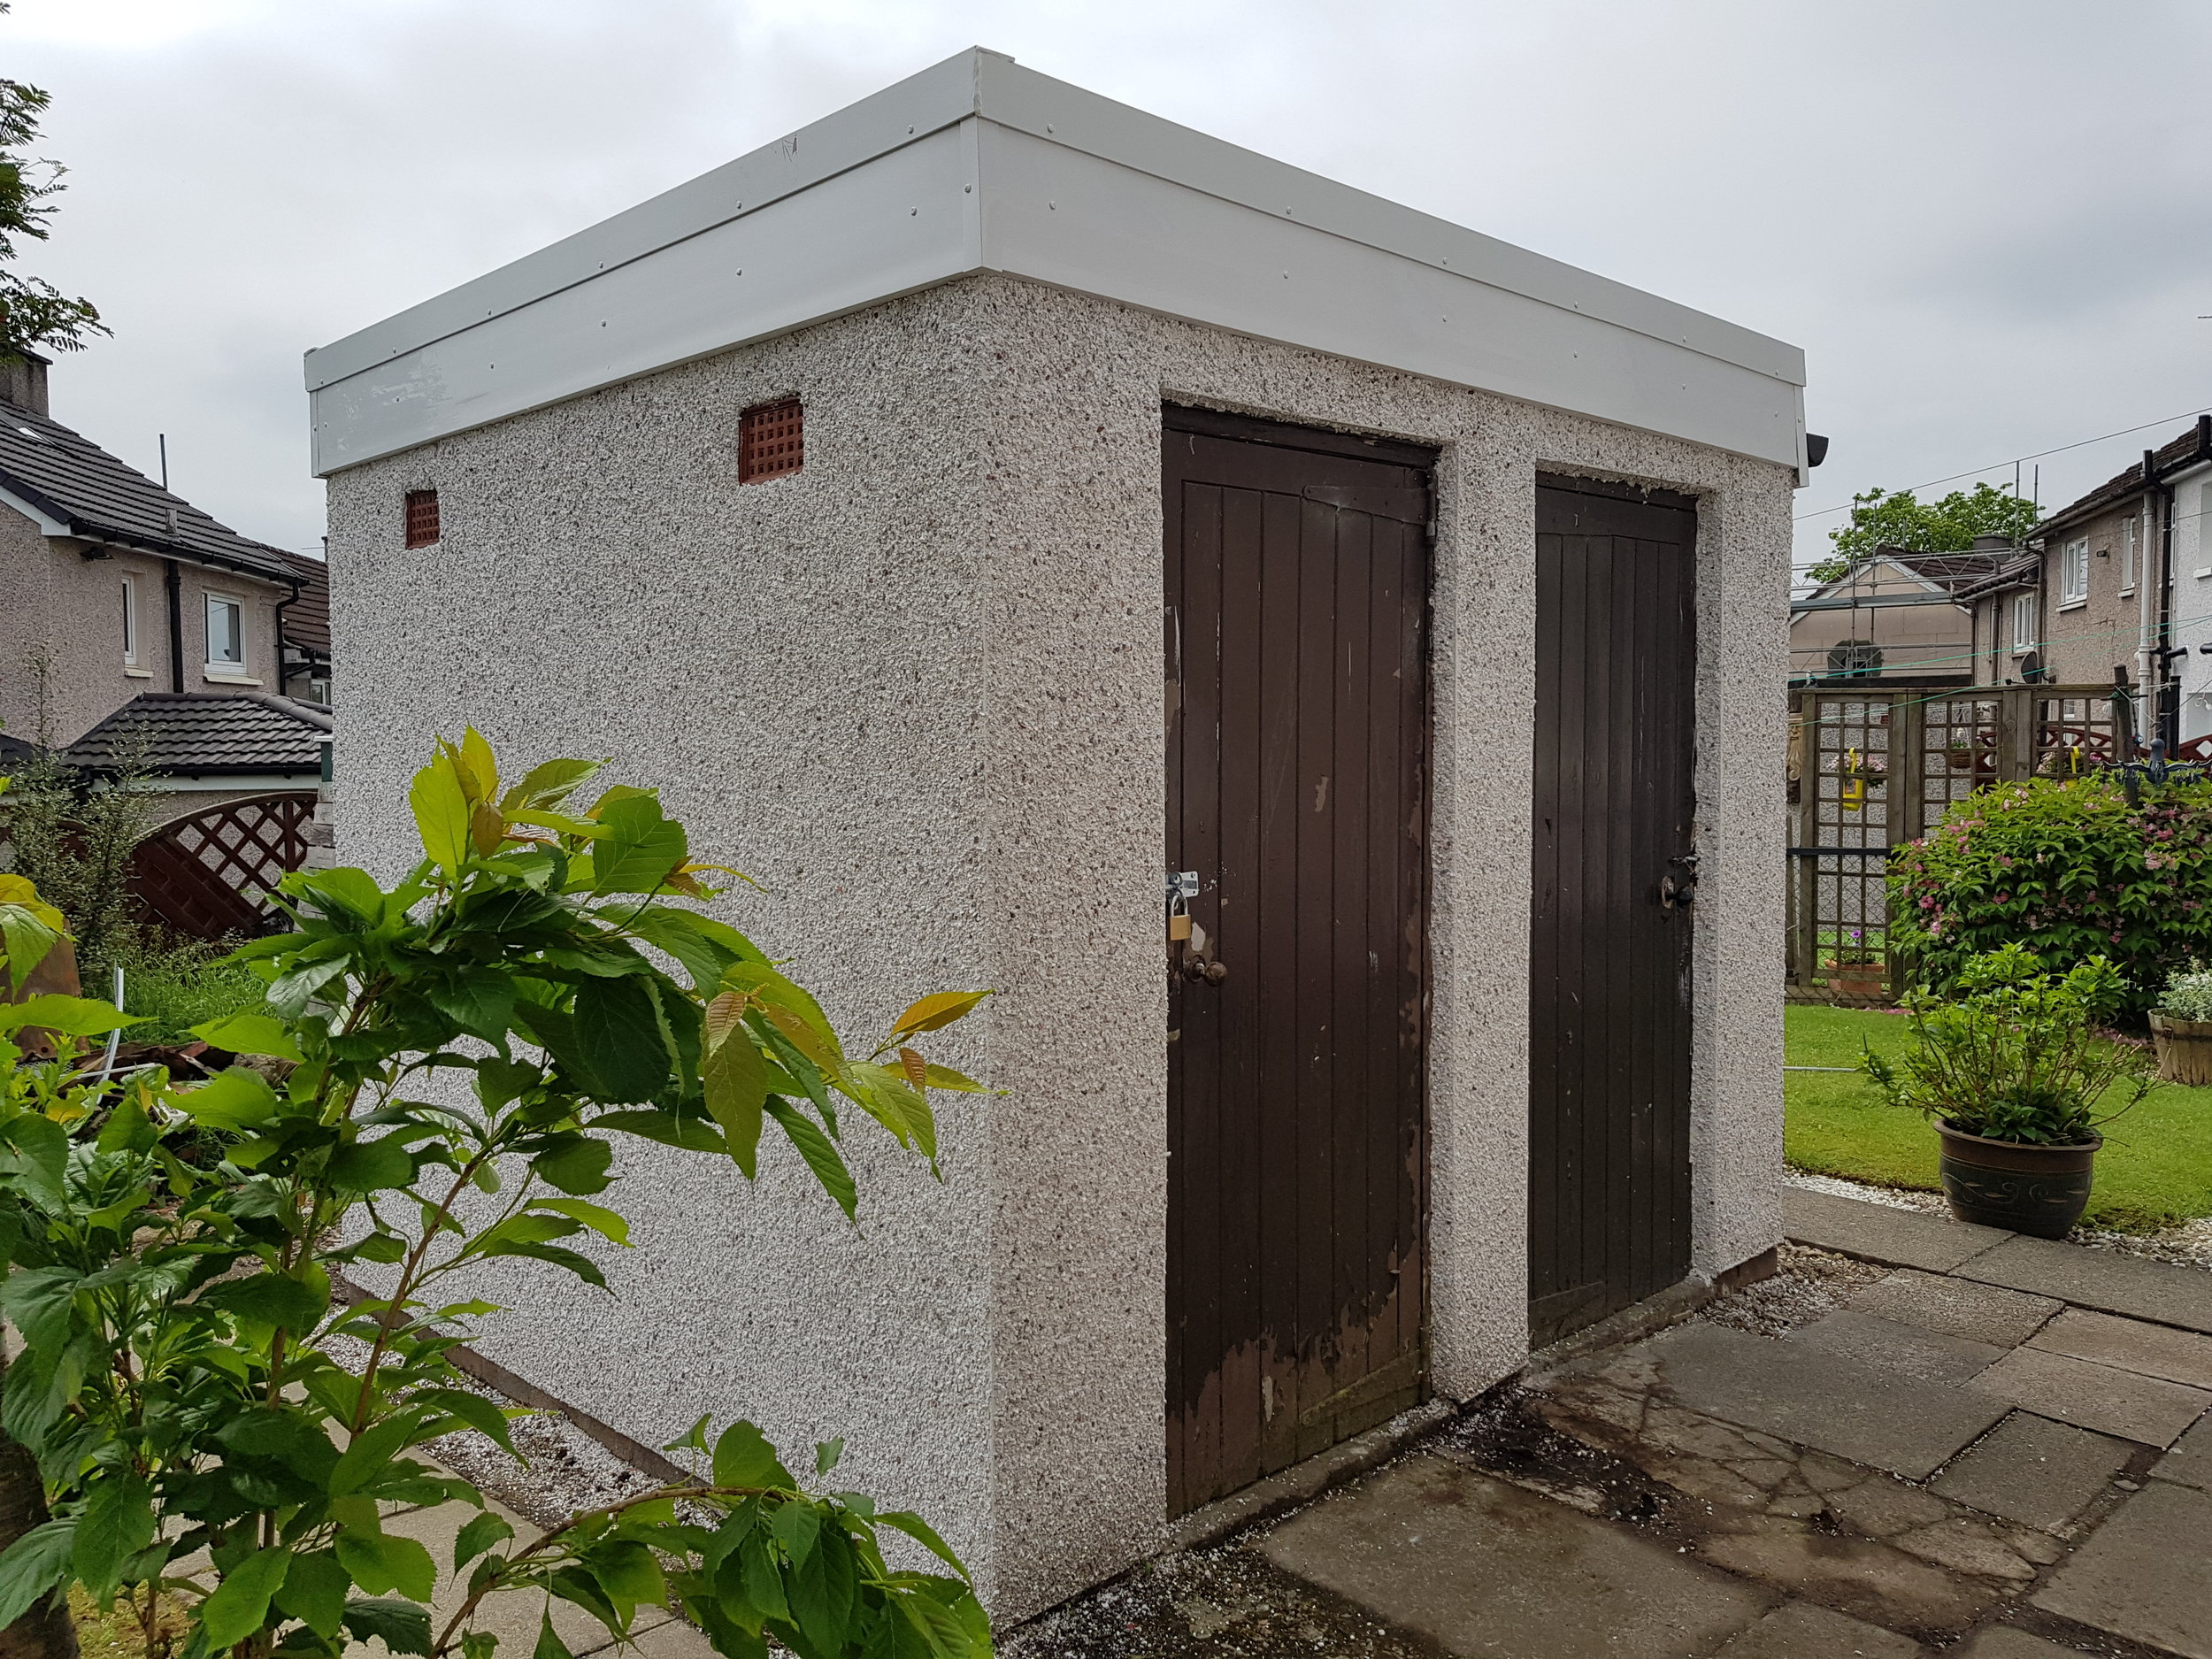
x,y
2185,1050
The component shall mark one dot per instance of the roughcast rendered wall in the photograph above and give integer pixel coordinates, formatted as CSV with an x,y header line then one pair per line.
x,y
915,691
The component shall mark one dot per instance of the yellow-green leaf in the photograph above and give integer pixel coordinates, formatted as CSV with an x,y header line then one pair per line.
x,y
932,1013
479,772
441,812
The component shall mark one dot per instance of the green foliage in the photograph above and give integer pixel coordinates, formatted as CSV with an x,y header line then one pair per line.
x,y
172,986
33,314
2015,1054
2153,1171
2068,868
2187,996
1883,518
73,837
482,1031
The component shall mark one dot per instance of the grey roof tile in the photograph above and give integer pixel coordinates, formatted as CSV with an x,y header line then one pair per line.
x,y
189,731
73,479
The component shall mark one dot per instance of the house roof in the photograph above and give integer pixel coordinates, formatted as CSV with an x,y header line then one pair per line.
x,y
81,490
2191,445
979,165
1956,573
307,619
190,732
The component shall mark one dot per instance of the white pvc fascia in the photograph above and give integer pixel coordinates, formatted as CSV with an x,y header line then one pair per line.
x,y
979,164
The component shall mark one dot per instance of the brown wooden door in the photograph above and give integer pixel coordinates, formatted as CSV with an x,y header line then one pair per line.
x,y
1297,698
1610,951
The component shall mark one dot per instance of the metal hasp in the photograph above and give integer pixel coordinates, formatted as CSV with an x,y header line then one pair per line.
x,y
1296,592
1609,973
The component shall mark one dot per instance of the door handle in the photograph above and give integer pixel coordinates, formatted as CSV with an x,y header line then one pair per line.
x,y
1198,971
1676,895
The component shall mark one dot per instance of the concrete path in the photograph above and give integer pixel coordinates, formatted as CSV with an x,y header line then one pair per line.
x,y
1995,1446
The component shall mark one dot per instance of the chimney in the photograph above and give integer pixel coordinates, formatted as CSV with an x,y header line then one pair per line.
x,y
23,381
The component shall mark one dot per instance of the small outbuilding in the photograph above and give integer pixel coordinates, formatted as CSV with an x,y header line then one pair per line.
x,y
992,514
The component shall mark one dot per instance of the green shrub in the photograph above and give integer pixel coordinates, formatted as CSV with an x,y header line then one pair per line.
x,y
2067,868
2187,996
2016,1056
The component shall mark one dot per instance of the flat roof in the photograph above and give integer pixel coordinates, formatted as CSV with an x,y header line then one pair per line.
x,y
979,165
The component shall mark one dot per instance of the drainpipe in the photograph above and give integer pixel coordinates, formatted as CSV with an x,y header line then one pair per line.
x,y
290,598
174,582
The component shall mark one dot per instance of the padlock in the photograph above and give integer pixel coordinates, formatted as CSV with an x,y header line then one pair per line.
x,y
1178,927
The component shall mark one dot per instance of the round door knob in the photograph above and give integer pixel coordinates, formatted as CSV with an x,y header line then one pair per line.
x,y
1216,972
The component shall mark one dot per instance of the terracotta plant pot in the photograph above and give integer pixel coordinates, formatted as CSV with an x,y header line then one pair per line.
x,y
2185,1050
1863,979
2032,1189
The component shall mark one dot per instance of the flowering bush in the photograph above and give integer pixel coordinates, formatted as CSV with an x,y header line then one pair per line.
x,y
2069,869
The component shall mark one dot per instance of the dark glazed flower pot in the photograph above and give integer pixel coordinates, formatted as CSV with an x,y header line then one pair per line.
x,y
2009,1183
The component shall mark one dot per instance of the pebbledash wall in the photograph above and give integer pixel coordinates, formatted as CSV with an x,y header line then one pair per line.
x,y
915,691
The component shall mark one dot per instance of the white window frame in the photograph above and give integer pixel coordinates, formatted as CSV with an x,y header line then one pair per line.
x,y
2073,573
2024,622
217,668
2127,559
130,620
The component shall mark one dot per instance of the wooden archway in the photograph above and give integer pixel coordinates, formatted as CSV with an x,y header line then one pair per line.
x,y
208,874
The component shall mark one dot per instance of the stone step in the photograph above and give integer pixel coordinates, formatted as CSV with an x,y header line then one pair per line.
x,y
1883,1233
2104,1280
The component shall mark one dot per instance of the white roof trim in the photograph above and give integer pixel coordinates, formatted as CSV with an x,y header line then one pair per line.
x,y
979,164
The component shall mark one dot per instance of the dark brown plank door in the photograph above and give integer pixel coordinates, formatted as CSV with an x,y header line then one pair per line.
x,y
1297,696
1608,956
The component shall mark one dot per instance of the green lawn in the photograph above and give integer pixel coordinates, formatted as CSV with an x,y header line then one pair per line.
x,y
2155,1168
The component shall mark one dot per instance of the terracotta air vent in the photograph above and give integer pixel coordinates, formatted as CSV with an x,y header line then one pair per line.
x,y
422,517
771,442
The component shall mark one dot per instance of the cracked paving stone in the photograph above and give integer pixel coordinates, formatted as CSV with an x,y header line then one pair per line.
x,y
2035,1470
1799,1630
1881,1506
1869,1580
1965,1545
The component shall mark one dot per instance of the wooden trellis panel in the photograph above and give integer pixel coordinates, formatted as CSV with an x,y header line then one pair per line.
x,y
208,875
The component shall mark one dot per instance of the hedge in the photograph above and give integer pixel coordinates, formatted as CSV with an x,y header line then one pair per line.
x,y
2068,868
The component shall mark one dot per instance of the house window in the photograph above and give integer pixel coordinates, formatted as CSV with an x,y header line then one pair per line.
x,y
771,441
130,622
2023,624
225,635
422,517
2073,573
2127,558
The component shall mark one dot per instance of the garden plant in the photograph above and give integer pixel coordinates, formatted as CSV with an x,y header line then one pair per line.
x,y
2070,868
438,1076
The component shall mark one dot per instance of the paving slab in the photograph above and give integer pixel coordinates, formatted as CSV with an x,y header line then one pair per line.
x,y
2091,1396
1903,1350
1882,1233
1484,1569
2035,1472
2001,1641
2144,1574
1957,1307
1872,1581
2103,1280
1799,1630
2152,1350
1825,1401
2189,1462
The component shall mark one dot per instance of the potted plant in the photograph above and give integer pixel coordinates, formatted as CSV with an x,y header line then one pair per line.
x,y
2181,1027
2013,1070
1856,969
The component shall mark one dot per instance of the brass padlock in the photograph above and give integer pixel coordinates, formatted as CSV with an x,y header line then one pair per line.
x,y
1178,927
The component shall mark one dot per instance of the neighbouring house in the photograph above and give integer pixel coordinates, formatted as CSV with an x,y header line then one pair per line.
x,y
866,496
2120,578
1892,617
130,618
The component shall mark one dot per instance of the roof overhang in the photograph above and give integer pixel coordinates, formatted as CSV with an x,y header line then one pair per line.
x,y
53,520
977,164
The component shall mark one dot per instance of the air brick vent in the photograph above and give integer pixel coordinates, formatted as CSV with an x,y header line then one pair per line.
x,y
771,442
422,517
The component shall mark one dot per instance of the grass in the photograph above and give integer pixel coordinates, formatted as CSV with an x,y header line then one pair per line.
x,y
2155,1169
117,1633
178,989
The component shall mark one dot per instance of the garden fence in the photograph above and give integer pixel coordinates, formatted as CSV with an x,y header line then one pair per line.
x,y
1872,767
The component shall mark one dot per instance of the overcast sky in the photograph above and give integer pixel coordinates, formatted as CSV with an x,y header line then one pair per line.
x,y
1985,223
